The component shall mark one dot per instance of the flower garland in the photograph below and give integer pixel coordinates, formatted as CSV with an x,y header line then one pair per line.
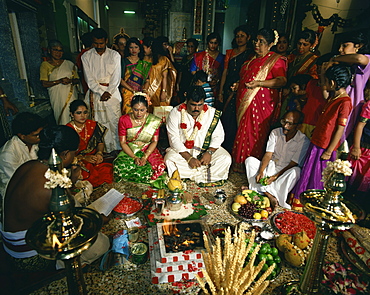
x,y
56,178
189,143
338,166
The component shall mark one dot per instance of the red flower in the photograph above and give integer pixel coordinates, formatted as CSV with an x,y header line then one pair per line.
x,y
198,125
189,144
182,107
205,107
183,126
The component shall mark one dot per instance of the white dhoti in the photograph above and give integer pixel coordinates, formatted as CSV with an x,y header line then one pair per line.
x,y
107,113
280,187
217,170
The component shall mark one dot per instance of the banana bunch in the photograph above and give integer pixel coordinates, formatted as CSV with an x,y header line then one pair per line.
x,y
175,181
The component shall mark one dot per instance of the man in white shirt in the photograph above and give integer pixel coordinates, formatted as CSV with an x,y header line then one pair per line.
x,y
102,68
195,135
22,147
279,169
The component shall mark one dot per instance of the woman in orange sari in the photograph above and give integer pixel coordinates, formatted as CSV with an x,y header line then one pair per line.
x,y
257,97
91,147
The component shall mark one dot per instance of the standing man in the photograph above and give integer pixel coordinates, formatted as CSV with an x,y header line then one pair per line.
x,y
102,67
279,169
22,147
195,134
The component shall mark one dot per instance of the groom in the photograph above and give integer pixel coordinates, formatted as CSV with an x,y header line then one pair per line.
x,y
195,134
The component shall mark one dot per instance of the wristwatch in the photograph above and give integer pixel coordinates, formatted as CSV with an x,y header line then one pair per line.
x,y
210,152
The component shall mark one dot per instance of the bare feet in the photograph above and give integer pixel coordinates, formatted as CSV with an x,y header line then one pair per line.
x,y
273,201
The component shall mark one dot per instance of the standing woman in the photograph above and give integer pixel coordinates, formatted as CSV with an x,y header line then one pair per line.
x,y
185,76
257,96
283,45
138,131
303,61
162,77
211,61
136,73
60,77
233,61
91,147
120,43
353,51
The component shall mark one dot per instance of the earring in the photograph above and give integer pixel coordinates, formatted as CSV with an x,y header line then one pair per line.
x,y
356,50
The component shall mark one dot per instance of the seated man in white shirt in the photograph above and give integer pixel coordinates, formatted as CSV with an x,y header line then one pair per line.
x,y
195,135
21,148
280,165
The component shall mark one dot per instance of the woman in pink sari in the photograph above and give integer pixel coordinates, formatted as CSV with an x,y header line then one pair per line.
x,y
257,98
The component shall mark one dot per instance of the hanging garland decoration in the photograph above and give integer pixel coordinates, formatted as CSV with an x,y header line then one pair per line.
x,y
335,19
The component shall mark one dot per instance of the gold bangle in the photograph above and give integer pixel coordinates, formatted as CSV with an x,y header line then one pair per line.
x,y
189,159
260,83
99,153
164,90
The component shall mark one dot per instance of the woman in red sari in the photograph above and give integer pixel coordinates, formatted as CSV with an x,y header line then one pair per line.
x,y
257,98
90,150
211,61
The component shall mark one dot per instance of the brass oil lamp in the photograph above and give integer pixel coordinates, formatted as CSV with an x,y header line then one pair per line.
x,y
65,232
329,211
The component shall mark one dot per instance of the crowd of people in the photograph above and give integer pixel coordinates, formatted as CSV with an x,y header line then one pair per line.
x,y
274,114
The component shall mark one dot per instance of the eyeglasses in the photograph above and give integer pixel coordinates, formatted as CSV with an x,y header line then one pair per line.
x,y
260,41
290,124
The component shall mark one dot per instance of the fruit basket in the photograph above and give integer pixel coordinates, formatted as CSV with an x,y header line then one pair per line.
x,y
251,206
128,206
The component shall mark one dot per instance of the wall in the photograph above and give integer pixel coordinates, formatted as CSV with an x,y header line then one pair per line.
x,y
132,23
345,9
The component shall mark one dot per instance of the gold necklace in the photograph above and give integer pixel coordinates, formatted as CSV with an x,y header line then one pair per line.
x,y
79,130
139,122
332,99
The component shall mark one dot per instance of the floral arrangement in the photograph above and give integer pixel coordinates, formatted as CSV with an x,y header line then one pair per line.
x,y
338,166
56,178
342,280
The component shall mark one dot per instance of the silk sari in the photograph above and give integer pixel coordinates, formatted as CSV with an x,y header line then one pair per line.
x,y
136,75
60,95
138,139
212,66
90,137
255,107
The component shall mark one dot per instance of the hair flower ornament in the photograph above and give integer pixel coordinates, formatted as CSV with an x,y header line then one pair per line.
x,y
146,96
276,37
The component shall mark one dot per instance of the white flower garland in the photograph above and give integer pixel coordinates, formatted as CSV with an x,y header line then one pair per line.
x,y
57,179
338,166
276,37
195,131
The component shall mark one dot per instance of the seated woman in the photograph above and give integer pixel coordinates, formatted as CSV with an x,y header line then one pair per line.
x,y
90,151
138,132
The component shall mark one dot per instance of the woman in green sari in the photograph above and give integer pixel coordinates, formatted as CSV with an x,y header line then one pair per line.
x,y
138,131
135,72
